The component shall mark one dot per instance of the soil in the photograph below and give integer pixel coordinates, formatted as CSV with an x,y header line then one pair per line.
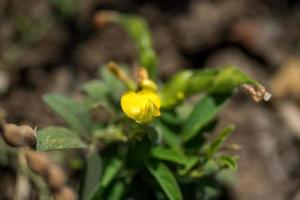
x,y
58,49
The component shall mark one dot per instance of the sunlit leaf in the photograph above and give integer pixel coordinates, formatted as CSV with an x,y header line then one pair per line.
x,y
52,138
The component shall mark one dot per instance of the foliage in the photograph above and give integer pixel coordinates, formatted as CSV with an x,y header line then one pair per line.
x,y
168,158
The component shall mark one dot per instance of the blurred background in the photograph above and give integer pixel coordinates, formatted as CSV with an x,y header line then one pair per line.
x,y
51,46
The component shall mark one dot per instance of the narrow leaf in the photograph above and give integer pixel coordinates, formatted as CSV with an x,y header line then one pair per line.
x,y
216,144
117,191
169,154
52,138
92,174
204,111
171,138
166,179
138,29
228,161
110,171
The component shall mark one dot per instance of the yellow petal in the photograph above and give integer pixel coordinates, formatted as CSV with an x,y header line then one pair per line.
x,y
152,96
142,106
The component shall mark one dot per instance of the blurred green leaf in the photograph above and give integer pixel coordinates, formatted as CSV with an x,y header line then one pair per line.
x,y
110,171
169,117
66,8
226,177
117,191
166,179
92,174
115,87
204,111
228,161
138,153
72,112
210,167
96,90
111,134
168,136
139,32
168,154
173,90
52,138
191,162
216,144
210,193
228,78
212,81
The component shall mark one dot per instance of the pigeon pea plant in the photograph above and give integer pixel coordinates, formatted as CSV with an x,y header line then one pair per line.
x,y
144,138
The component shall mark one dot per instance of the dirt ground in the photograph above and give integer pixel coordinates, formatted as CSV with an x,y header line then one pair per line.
x,y
47,46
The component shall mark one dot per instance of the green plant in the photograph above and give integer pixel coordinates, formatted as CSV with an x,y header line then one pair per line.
x,y
154,144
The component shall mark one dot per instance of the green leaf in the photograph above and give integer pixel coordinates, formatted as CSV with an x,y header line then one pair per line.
x,y
226,177
216,144
52,138
173,90
96,90
111,134
212,81
204,112
168,154
92,174
228,161
110,171
117,191
229,78
138,29
72,112
171,138
191,162
115,87
166,179
202,80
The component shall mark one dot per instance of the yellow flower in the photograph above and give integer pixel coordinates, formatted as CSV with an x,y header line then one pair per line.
x,y
142,106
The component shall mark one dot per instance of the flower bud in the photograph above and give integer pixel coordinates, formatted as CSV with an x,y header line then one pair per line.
x,y
65,193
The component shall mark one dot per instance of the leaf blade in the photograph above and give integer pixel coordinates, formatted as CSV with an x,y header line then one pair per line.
x,y
168,154
92,175
204,111
165,179
72,112
53,138
110,171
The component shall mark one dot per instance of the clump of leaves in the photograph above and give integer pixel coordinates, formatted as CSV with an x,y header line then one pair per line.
x,y
168,156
